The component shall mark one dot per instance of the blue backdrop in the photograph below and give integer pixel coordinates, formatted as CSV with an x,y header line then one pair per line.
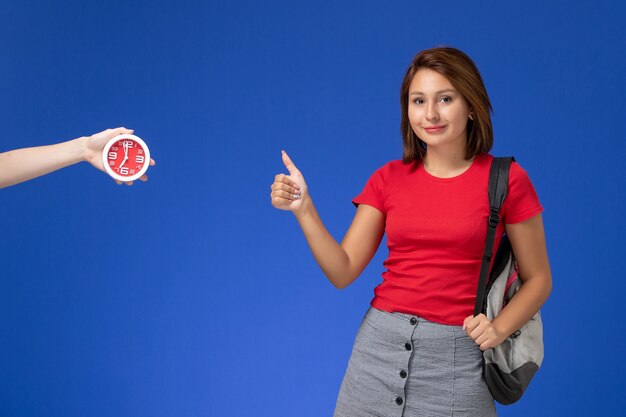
x,y
190,295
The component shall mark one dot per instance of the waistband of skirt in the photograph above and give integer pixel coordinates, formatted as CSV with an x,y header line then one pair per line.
x,y
395,319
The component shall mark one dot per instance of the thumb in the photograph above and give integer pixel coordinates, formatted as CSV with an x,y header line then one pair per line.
x,y
468,318
289,164
120,131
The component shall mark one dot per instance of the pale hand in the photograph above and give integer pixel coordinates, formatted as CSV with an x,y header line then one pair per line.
x,y
482,331
289,191
95,144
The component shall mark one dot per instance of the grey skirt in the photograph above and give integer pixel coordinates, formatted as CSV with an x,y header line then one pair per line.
x,y
404,365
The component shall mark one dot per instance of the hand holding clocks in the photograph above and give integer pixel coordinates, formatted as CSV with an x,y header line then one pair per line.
x,y
123,159
126,157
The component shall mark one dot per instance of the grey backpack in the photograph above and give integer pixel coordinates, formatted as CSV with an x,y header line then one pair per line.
x,y
509,367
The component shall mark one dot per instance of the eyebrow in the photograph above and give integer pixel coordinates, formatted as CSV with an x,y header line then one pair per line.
x,y
413,93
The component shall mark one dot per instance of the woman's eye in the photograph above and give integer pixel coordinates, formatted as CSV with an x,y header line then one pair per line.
x,y
418,101
446,99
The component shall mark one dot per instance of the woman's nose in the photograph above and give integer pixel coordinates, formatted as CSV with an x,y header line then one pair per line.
x,y
431,112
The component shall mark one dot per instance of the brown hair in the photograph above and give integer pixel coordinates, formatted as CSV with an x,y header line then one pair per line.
x,y
462,73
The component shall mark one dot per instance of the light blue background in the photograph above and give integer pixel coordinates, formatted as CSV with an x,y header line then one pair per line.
x,y
190,295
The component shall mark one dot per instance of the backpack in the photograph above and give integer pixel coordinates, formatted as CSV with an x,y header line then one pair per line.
x,y
509,367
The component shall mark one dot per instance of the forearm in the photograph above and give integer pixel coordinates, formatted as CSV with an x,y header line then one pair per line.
x,y
329,254
526,302
24,164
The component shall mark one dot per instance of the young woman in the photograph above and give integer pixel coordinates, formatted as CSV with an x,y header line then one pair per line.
x,y
419,348
25,164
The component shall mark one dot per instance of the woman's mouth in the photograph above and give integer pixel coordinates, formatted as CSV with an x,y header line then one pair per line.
x,y
434,129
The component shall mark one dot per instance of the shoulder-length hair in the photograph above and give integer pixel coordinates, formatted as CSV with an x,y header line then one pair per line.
x,y
463,74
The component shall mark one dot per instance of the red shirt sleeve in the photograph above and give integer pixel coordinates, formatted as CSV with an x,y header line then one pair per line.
x,y
373,193
521,202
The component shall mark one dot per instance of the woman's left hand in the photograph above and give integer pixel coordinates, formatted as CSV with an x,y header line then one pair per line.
x,y
482,331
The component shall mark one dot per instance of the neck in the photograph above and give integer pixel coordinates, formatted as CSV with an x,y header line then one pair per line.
x,y
445,162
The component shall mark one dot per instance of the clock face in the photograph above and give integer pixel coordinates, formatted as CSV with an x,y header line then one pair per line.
x,y
126,157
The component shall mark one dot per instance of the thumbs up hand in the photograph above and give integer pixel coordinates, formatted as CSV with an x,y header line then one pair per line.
x,y
289,191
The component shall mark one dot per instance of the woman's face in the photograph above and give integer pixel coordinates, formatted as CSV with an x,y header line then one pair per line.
x,y
437,112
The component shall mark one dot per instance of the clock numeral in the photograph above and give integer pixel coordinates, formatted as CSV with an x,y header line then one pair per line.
x,y
111,163
124,171
128,143
114,148
140,151
139,159
112,155
132,172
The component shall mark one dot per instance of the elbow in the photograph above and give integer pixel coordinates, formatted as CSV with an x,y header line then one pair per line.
x,y
339,286
342,274
548,285
341,283
544,287
540,286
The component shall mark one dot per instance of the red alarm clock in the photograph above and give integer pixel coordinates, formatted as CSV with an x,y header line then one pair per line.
x,y
126,157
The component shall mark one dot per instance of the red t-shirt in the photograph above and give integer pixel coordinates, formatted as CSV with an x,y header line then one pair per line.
x,y
436,230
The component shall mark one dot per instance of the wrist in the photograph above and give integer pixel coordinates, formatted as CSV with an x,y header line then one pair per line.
x,y
306,208
501,328
82,148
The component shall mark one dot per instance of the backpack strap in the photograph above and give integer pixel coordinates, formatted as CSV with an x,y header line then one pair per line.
x,y
498,187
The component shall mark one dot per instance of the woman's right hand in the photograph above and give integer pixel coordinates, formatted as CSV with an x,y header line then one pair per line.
x,y
289,191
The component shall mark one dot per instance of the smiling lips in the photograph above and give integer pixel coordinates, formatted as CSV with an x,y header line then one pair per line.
x,y
434,129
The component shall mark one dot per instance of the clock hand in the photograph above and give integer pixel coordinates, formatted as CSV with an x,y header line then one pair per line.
x,y
125,145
